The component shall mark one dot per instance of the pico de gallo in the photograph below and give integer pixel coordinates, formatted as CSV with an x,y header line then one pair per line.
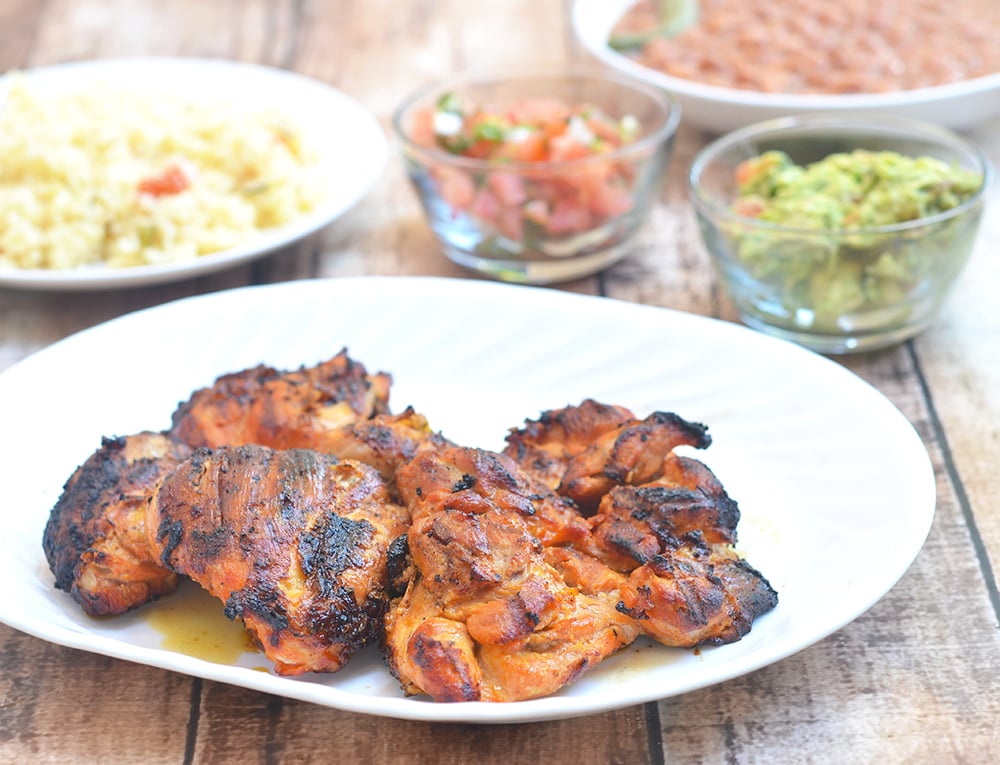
x,y
543,157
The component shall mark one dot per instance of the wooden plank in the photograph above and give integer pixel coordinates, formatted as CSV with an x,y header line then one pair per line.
x,y
58,705
20,21
255,31
281,730
960,360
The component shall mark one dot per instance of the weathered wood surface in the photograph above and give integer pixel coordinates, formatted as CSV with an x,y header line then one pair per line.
x,y
914,680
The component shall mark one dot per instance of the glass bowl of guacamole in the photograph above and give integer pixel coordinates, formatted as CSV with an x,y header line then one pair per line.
x,y
841,234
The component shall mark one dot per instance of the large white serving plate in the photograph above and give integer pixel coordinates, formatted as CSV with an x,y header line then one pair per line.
x,y
957,105
824,468
350,146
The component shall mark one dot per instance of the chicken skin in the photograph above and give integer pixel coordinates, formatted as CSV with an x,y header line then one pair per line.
x,y
695,595
543,448
95,540
675,538
385,442
583,451
662,521
293,542
281,409
335,407
485,616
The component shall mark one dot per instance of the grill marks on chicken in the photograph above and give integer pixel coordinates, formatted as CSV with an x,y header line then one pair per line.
x,y
305,506
294,543
662,520
691,596
292,540
283,410
544,448
95,540
584,451
485,616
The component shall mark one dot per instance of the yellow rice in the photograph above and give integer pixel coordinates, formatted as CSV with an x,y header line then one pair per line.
x,y
71,165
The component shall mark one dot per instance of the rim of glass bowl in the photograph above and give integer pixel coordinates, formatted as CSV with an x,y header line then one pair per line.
x,y
888,124
647,141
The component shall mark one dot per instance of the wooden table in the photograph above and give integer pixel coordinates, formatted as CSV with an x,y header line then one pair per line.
x,y
916,679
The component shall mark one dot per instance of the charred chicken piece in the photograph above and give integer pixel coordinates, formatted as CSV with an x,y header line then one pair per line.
x,y
696,594
385,442
283,410
635,523
293,542
485,616
582,452
674,538
95,539
549,518
544,448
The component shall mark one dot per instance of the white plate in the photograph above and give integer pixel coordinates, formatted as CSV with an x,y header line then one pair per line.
x,y
824,468
350,144
957,105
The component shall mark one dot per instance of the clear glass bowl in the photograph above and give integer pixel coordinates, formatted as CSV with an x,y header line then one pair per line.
x,y
554,226
836,291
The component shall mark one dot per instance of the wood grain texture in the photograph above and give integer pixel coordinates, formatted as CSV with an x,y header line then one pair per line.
x,y
916,679
270,729
58,705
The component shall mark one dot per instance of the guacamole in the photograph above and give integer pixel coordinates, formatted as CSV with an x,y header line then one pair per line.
x,y
835,262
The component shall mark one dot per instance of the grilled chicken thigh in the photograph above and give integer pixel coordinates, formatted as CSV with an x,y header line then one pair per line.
x,y
485,615
95,539
335,407
693,595
675,538
663,521
544,448
294,543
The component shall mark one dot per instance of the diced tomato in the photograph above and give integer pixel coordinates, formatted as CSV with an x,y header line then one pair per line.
x,y
485,205
455,187
171,181
537,211
606,131
539,111
532,133
511,223
422,128
568,217
609,200
745,171
530,147
750,207
508,187
564,147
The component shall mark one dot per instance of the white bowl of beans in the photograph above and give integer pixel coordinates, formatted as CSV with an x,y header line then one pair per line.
x,y
841,233
733,62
